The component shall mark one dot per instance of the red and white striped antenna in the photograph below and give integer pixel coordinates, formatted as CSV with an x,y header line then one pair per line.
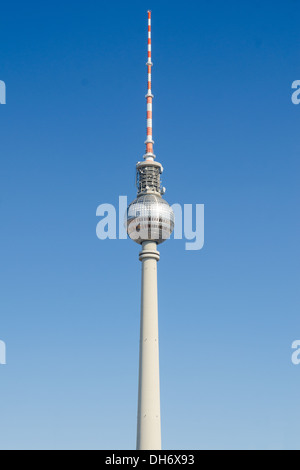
x,y
149,142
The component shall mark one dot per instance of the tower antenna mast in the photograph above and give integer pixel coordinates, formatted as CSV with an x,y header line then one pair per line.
x,y
149,142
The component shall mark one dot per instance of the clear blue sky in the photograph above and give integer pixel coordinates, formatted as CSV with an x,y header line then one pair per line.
x,y
227,134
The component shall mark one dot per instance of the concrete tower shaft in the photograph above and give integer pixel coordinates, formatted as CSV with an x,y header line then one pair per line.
x,y
148,422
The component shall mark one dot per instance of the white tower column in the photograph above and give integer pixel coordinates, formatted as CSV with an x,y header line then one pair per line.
x,y
149,426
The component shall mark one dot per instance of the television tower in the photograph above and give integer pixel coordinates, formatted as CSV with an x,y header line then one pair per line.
x,y
150,221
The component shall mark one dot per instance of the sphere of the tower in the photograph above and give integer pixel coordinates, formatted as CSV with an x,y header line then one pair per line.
x,y
149,218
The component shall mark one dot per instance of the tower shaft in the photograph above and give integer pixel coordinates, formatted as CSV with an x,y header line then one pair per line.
x,y
149,424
